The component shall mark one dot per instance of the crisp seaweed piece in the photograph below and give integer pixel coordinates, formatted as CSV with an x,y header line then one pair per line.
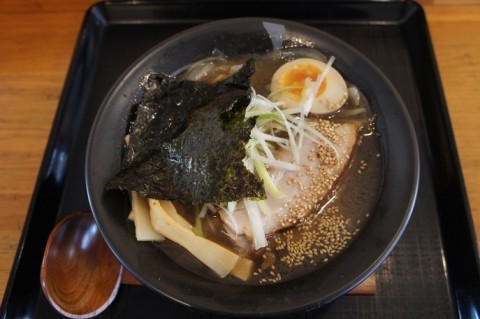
x,y
187,142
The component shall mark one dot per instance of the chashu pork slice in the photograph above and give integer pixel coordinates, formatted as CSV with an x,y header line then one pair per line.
x,y
320,168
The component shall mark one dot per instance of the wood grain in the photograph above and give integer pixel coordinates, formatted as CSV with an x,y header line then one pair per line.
x,y
457,46
37,40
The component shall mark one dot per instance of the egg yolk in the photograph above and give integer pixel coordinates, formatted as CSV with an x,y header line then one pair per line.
x,y
296,76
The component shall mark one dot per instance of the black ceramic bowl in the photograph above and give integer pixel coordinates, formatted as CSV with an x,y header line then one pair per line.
x,y
248,36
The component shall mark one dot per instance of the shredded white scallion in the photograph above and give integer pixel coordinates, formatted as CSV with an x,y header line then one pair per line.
x,y
231,206
278,164
261,138
258,233
276,128
305,126
203,211
231,218
291,137
310,91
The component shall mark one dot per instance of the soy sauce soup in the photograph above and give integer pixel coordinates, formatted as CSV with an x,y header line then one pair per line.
x,y
334,221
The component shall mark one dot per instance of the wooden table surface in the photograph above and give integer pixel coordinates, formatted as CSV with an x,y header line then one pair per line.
x,y
37,38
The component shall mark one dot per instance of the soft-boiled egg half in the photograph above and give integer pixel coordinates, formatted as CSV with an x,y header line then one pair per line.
x,y
293,79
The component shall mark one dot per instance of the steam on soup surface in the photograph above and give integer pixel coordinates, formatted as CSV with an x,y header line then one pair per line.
x,y
252,169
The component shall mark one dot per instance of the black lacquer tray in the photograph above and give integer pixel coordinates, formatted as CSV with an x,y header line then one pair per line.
x,y
434,270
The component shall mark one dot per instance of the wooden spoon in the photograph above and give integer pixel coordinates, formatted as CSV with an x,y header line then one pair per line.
x,y
80,276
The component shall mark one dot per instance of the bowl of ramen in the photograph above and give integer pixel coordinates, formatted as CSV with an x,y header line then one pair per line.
x,y
252,166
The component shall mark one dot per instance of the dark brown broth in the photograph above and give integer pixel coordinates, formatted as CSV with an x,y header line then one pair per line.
x,y
336,221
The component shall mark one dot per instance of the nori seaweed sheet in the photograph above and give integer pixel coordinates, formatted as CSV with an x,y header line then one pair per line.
x,y
187,141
